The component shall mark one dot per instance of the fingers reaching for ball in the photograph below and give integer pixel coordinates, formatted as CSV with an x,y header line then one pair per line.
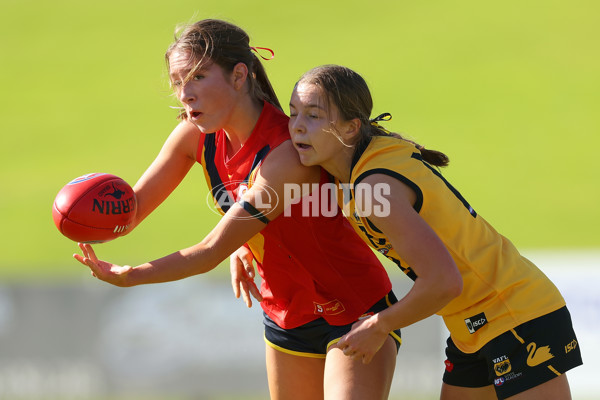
x,y
102,270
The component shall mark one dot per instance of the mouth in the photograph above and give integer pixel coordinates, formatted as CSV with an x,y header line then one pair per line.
x,y
194,115
302,146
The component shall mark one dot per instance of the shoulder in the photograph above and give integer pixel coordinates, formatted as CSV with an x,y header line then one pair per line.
x,y
283,166
184,139
383,154
280,176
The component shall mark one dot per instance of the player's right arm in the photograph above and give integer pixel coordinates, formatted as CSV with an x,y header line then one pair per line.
x,y
166,172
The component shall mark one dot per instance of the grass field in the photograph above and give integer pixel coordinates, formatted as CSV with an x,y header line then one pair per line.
x,y
510,91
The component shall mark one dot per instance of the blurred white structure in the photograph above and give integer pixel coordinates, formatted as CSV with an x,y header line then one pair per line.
x,y
193,339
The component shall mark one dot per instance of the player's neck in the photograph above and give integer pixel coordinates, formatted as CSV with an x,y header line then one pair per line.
x,y
243,120
340,165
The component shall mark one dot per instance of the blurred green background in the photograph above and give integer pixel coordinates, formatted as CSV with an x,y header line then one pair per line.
x,y
510,91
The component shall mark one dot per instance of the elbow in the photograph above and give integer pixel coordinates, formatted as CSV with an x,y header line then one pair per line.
x,y
452,282
448,287
453,286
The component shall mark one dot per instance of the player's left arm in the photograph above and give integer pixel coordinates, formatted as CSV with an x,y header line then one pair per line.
x,y
234,229
439,280
280,171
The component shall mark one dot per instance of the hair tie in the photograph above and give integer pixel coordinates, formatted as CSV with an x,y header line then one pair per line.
x,y
255,49
381,117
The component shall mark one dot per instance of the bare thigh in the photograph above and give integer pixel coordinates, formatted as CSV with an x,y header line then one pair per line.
x,y
346,379
555,389
450,392
294,377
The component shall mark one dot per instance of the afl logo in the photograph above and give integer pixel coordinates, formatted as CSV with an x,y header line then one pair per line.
x,y
499,381
224,195
84,178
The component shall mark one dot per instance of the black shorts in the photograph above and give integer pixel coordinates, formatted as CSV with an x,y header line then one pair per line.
x,y
519,359
314,338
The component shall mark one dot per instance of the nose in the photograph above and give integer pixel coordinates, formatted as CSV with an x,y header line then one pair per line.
x,y
296,125
186,96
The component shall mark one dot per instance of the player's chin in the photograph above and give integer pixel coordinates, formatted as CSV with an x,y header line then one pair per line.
x,y
206,128
306,160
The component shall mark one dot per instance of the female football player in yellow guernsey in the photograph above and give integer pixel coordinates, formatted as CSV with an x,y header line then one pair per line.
x,y
233,126
510,331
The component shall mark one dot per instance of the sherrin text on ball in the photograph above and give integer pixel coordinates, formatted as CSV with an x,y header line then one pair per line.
x,y
94,208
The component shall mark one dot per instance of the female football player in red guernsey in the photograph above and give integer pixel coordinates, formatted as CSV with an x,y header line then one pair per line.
x,y
510,331
318,277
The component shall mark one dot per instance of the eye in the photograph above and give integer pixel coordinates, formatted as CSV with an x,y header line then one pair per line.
x,y
313,116
293,115
176,83
198,77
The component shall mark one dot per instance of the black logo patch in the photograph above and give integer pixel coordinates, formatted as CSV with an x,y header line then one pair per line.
x,y
476,322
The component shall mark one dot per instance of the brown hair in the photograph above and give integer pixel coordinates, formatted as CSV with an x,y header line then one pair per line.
x,y
349,92
225,44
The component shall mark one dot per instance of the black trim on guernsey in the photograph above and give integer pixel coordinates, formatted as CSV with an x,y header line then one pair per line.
x,y
217,188
418,156
260,155
253,211
372,225
417,207
418,204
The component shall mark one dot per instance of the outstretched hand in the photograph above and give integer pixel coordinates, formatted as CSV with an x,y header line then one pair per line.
x,y
102,270
242,276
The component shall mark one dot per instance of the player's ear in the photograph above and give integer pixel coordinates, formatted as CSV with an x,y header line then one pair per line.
x,y
351,130
239,75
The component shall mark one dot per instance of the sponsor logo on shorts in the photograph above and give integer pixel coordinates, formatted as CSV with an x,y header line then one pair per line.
x,y
511,376
503,370
476,322
538,355
449,365
366,315
333,307
502,365
571,346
